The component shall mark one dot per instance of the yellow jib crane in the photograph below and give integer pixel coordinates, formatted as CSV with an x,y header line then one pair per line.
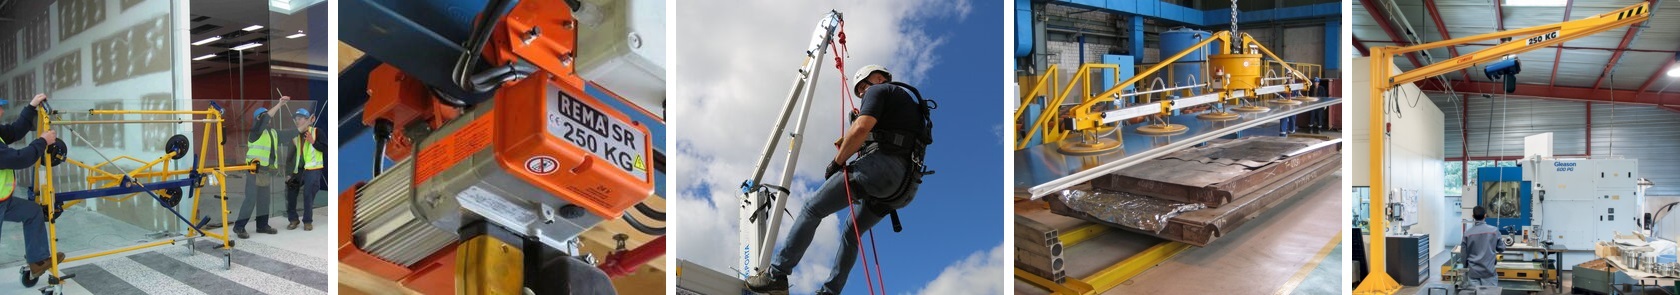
x,y
1536,37
1236,74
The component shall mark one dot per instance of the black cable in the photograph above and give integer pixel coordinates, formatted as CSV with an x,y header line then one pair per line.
x,y
637,224
493,12
655,214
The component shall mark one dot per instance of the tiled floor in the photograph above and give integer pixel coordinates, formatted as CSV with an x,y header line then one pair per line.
x,y
291,262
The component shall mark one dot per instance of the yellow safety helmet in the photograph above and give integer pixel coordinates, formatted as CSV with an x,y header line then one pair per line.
x,y
864,72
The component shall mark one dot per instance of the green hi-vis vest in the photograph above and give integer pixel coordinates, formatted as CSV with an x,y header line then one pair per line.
x,y
308,156
262,150
8,181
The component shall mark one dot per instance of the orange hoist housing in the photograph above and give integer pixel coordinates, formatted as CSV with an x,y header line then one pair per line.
x,y
532,159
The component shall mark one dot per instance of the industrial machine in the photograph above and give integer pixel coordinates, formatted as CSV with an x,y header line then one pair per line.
x,y
509,150
1564,204
157,178
1494,59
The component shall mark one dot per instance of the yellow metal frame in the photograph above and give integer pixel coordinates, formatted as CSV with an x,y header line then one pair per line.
x,y
149,170
1108,277
1382,80
1111,276
1085,118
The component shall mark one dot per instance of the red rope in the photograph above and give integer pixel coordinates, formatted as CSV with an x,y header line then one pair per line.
x,y
847,103
845,172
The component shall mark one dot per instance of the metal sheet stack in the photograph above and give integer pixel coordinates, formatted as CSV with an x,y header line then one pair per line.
x,y
1199,194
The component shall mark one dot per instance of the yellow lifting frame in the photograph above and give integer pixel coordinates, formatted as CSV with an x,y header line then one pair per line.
x,y
1382,80
1084,118
213,168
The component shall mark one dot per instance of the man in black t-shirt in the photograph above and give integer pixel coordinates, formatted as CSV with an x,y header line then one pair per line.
x,y
878,173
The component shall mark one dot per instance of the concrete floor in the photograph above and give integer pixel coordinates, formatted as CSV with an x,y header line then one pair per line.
x,y
1291,249
291,262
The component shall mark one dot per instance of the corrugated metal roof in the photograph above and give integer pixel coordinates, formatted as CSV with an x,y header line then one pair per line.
x,y
1577,67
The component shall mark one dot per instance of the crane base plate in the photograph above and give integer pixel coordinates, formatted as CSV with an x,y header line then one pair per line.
x,y
1162,129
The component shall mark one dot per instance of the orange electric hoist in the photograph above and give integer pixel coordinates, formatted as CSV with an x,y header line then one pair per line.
x,y
489,197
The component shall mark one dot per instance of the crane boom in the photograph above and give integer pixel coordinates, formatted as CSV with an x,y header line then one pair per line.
x,y
762,203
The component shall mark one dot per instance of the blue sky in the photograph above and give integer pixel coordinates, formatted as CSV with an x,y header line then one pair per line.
x,y
735,64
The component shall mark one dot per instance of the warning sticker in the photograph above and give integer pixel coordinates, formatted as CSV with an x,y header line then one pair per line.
x,y
615,141
452,149
542,165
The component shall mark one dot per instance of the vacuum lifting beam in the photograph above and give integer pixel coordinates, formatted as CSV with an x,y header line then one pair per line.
x,y
1236,76
1383,80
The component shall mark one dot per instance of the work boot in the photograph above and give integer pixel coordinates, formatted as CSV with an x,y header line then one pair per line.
x,y
267,230
308,226
768,283
291,226
241,233
39,267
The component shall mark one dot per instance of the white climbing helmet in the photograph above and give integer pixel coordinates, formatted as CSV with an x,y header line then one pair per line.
x,y
858,78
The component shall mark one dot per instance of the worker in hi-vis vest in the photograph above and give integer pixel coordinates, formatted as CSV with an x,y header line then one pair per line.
x,y
260,150
22,209
307,171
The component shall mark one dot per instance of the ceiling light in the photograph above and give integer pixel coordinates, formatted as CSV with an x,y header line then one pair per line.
x,y
253,28
295,36
207,40
1674,72
207,56
247,46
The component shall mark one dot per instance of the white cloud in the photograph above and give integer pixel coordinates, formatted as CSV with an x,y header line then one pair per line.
x,y
735,65
977,274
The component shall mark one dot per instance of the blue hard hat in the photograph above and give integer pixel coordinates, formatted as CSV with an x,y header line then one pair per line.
x,y
302,112
260,111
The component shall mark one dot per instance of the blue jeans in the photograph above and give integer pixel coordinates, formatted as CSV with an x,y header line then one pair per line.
x,y
256,199
33,218
872,174
311,183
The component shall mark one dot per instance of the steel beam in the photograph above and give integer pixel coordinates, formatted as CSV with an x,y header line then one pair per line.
x,y
1658,75
1557,59
1559,92
1382,21
1441,26
1632,31
1360,45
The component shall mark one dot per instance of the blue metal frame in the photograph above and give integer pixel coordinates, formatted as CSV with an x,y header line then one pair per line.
x,y
128,186
1524,196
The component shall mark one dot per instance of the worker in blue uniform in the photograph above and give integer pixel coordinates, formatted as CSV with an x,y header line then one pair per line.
x,y
23,210
308,173
886,135
260,150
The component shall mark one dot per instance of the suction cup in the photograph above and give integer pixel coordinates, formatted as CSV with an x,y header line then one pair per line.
x,y
1251,109
1286,102
1218,116
1162,129
1081,147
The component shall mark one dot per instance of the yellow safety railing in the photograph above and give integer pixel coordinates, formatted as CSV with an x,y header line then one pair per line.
x,y
1054,97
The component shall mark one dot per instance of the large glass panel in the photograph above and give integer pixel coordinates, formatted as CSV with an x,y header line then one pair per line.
x,y
95,54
